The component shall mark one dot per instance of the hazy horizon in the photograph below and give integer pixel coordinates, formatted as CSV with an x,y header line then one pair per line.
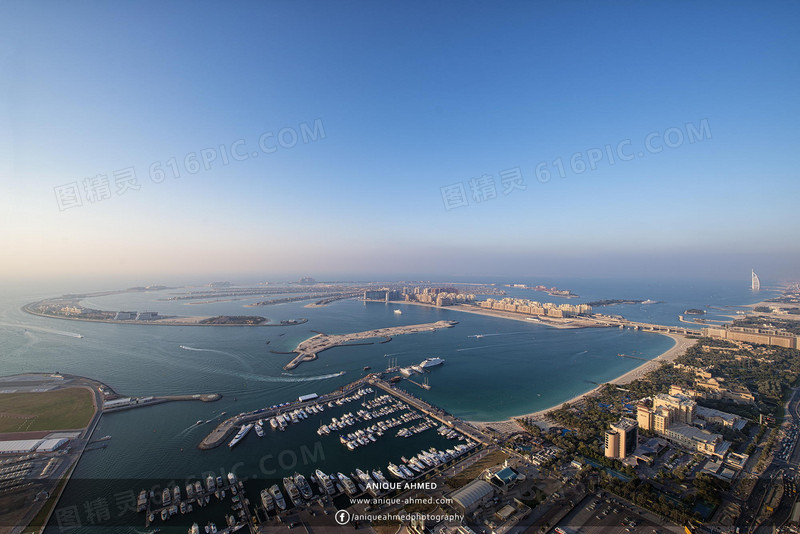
x,y
522,140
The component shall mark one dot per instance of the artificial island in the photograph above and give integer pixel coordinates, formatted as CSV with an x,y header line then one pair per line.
x,y
694,435
309,349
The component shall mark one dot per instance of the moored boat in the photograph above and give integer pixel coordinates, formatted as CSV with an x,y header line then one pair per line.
x,y
266,500
240,435
277,496
302,485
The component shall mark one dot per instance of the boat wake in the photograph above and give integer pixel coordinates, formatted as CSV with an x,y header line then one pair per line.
x,y
186,430
184,347
239,359
248,376
489,346
478,336
45,330
262,378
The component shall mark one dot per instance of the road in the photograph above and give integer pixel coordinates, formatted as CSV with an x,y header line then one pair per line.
x,y
779,471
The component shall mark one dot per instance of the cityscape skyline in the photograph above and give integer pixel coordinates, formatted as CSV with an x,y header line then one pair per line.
x,y
449,267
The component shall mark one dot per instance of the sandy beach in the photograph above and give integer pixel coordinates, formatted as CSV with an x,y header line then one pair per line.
x,y
681,344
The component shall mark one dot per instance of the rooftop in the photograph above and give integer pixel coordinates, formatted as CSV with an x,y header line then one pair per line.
x,y
625,424
472,493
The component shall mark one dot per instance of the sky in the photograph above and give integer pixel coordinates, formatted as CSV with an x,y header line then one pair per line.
x,y
356,139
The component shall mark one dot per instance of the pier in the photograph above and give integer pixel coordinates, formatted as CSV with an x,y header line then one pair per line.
x,y
447,419
423,385
633,357
227,428
174,505
127,403
309,349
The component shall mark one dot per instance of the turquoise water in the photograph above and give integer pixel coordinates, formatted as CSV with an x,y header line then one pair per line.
x,y
522,367
516,368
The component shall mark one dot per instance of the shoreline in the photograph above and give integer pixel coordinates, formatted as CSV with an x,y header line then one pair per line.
x,y
166,321
681,344
562,324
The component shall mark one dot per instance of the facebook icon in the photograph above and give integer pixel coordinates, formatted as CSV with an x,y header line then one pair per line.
x,y
342,517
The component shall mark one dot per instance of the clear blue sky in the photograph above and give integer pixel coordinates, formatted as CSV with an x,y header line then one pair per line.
x,y
412,97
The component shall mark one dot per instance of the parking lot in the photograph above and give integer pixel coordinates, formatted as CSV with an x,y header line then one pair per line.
x,y
614,516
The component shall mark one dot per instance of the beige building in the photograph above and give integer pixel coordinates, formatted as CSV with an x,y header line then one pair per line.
x,y
713,389
671,416
686,392
761,336
698,439
532,307
621,438
665,411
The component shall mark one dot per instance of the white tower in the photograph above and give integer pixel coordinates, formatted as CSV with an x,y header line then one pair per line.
x,y
755,283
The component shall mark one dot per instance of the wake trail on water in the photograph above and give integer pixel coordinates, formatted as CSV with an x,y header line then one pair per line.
x,y
396,353
262,378
501,334
186,430
489,347
239,359
275,379
45,330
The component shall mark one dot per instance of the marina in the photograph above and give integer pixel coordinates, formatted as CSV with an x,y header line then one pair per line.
x,y
409,269
282,415
249,378
296,492
171,502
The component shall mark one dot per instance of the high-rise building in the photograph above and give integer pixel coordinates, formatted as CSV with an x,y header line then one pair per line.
x,y
665,411
621,438
755,283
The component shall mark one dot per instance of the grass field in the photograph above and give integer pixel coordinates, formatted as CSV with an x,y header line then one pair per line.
x,y
50,410
472,472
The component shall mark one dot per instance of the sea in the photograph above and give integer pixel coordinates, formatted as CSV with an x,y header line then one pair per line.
x,y
494,369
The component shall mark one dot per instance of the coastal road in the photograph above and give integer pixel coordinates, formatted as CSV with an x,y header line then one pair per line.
x,y
778,468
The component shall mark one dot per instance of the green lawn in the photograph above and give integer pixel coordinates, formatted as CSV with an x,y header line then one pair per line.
x,y
469,474
50,410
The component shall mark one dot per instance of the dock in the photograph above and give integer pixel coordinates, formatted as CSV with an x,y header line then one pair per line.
x,y
432,411
228,487
309,349
633,357
227,428
423,385
128,403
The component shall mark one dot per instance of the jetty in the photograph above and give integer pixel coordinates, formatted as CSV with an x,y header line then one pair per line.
x,y
227,428
128,403
309,349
